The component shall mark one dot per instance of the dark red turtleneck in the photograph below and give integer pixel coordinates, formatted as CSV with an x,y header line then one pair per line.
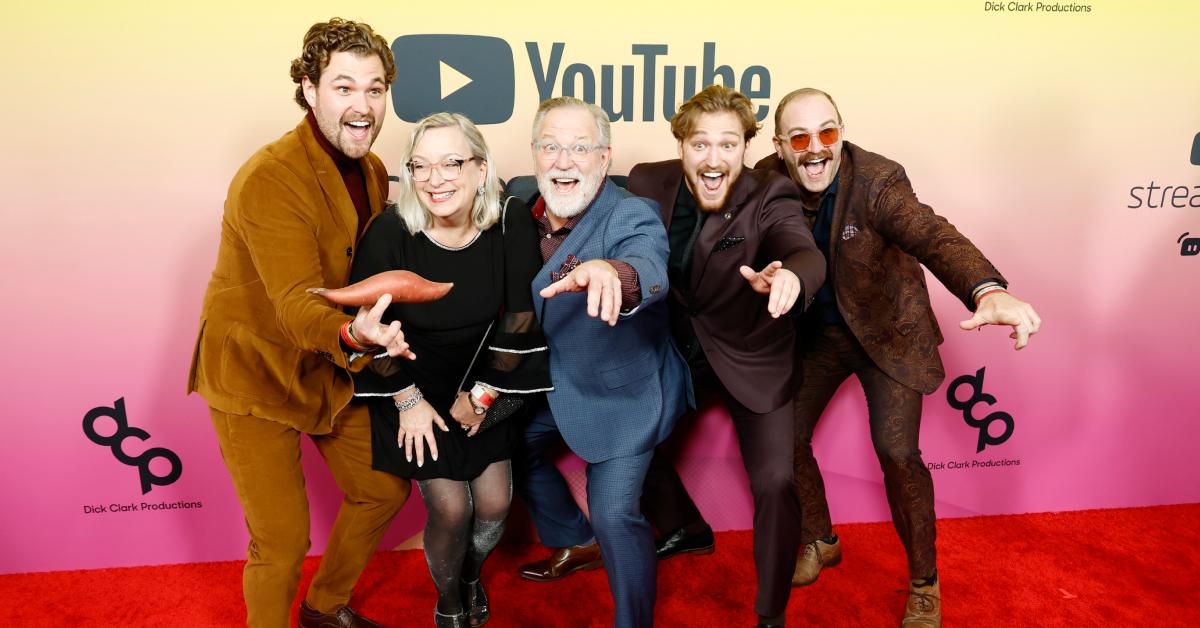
x,y
352,175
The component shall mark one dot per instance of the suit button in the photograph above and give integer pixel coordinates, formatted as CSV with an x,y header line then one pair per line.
x,y
349,251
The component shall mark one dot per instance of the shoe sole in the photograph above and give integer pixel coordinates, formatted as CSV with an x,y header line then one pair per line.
x,y
584,567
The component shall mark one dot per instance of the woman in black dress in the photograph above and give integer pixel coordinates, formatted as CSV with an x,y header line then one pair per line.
x,y
479,342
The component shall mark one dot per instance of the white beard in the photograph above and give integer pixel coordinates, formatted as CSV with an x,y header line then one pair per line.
x,y
569,205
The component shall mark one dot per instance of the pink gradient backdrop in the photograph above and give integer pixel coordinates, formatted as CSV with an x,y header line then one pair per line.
x,y
118,153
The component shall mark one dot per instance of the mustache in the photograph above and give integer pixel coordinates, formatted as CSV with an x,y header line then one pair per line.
x,y
724,170
348,118
811,155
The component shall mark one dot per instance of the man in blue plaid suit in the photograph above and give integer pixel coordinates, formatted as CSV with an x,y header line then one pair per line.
x,y
619,383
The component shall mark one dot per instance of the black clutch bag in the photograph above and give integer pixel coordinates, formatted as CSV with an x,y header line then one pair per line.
x,y
502,408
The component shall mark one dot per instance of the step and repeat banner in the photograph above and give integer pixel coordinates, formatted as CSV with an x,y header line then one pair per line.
x,y
1062,137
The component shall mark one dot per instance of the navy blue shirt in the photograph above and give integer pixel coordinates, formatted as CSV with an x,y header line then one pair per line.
x,y
824,305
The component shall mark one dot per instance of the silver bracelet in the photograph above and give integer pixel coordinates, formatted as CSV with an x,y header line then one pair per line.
x,y
409,402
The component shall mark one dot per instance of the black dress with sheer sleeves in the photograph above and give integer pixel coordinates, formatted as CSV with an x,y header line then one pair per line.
x,y
483,331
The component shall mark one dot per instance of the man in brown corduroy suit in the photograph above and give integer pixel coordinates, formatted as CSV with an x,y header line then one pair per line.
x,y
273,360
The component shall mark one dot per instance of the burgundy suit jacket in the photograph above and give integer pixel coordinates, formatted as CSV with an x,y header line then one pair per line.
x,y
762,221
880,236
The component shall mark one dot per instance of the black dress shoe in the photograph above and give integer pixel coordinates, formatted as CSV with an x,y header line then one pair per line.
x,y
343,617
680,542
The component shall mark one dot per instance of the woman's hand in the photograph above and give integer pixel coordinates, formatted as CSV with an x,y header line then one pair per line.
x,y
416,429
465,412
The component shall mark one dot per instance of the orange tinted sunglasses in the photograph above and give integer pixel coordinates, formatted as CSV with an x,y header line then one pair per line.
x,y
827,136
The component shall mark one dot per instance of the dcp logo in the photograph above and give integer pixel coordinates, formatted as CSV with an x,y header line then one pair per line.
x,y
975,383
469,74
117,439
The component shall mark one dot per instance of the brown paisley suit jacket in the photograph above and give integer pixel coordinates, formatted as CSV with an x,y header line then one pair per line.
x,y
762,221
881,235
266,347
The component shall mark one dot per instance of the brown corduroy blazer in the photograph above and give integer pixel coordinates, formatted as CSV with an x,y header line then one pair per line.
x,y
762,221
266,347
880,236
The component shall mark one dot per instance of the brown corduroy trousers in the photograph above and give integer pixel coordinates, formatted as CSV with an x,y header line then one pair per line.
x,y
263,458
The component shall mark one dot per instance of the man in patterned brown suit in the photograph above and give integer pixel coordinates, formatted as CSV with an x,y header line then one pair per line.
x,y
873,319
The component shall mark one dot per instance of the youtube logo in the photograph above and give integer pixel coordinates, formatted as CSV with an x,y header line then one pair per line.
x,y
468,74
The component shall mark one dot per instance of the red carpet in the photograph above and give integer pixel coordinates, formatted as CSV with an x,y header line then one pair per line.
x,y
1125,567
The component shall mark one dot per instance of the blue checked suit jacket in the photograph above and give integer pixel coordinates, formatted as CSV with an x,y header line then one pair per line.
x,y
617,390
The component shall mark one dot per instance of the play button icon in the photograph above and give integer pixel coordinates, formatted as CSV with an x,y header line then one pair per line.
x,y
451,80
468,74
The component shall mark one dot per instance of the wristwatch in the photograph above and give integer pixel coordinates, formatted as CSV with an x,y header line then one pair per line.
x,y
480,399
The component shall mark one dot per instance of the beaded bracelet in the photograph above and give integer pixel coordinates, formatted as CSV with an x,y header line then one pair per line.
x,y
409,402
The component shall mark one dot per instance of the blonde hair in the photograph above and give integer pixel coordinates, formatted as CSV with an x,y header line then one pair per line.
x,y
714,99
486,210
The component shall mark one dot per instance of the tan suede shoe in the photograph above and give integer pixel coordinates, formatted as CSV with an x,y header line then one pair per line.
x,y
924,608
817,555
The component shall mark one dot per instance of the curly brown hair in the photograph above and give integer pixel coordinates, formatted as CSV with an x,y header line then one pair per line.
x,y
338,35
715,99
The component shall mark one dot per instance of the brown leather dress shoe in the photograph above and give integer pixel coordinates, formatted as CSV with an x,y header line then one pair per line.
x,y
563,562
817,555
924,609
343,617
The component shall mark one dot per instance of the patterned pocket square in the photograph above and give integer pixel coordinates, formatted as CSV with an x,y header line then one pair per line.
x,y
728,242
568,265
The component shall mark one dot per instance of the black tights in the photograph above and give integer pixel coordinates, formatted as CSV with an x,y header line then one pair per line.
x,y
465,522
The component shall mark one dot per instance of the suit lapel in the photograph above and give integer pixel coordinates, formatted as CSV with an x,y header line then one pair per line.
x,y
841,205
376,201
332,184
575,241
669,193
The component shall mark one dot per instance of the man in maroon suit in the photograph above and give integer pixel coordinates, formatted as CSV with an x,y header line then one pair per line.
x,y
872,319
741,255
